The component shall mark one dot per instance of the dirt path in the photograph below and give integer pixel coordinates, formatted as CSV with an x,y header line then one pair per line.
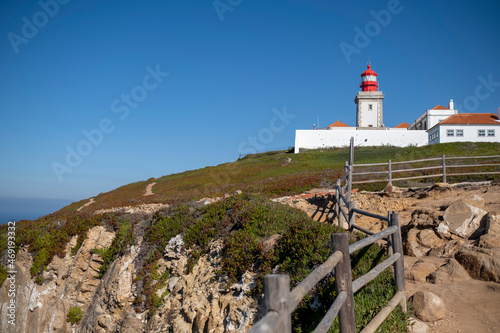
x,y
471,306
91,201
149,189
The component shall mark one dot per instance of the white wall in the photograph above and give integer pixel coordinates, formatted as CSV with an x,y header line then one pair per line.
x,y
369,117
470,133
312,139
431,118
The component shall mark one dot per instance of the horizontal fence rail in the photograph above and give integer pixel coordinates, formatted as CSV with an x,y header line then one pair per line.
x,y
442,170
280,302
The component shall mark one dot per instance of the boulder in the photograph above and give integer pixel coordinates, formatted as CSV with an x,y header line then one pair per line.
x,y
464,219
420,270
428,306
428,238
482,264
411,245
491,238
452,271
423,218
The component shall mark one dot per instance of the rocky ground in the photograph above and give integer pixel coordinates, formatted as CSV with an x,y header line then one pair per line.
x,y
452,249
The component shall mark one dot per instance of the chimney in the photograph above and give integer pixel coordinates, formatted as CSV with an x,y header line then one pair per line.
x,y
451,105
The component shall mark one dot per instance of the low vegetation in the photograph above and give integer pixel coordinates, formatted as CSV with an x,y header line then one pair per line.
x,y
273,174
74,315
262,236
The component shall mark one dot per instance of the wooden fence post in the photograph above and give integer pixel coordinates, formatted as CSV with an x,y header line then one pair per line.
x,y
338,203
444,168
399,266
276,292
343,282
390,172
351,214
390,247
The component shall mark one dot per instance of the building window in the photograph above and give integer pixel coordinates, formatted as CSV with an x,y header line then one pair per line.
x,y
460,132
481,133
450,133
370,107
491,132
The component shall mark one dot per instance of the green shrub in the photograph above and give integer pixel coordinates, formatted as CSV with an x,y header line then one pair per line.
x,y
124,237
74,315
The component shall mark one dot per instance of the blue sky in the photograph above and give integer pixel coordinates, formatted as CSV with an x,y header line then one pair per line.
x,y
161,87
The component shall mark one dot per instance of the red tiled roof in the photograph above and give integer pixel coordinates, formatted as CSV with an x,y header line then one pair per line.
x,y
338,124
472,118
402,125
439,107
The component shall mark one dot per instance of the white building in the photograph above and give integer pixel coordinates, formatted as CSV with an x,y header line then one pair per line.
x,y
369,130
437,125
433,116
466,127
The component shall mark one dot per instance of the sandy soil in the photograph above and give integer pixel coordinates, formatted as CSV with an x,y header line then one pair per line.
x,y
149,189
472,306
91,201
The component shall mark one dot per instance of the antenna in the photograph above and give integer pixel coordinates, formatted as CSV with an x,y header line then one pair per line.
x,y
318,122
369,62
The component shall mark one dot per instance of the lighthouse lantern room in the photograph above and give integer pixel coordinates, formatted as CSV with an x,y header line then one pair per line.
x,y
369,101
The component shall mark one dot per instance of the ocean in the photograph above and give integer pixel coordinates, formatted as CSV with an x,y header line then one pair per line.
x,y
14,209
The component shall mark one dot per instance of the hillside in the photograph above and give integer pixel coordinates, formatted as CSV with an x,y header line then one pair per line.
x,y
271,174
186,265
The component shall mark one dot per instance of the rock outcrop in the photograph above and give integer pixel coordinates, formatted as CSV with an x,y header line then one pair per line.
x,y
194,302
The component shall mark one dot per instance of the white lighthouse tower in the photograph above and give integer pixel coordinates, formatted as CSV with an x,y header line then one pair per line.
x,y
369,101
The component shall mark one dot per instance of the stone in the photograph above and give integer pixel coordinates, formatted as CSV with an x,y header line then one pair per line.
x,y
449,249
411,245
491,238
443,230
464,219
428,306
452,271
482,264
173,250
428,238
417,326
423,218
420,270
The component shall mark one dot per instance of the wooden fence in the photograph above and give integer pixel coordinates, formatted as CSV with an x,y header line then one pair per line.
x,y
280,302
443,170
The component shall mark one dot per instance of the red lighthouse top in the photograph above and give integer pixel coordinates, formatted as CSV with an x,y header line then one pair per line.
x,y
369,80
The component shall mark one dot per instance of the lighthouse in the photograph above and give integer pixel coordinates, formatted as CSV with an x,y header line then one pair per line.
x,y
369,101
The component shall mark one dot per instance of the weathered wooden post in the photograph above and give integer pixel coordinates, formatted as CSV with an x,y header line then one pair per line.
x,y
389,169
343,282
390,247
276,291
338,203
399,266
352,214
444,168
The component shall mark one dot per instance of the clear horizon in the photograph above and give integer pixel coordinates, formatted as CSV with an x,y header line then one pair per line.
x,y
98,94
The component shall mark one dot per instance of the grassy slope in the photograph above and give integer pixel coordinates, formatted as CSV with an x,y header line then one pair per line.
x,y
266,174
